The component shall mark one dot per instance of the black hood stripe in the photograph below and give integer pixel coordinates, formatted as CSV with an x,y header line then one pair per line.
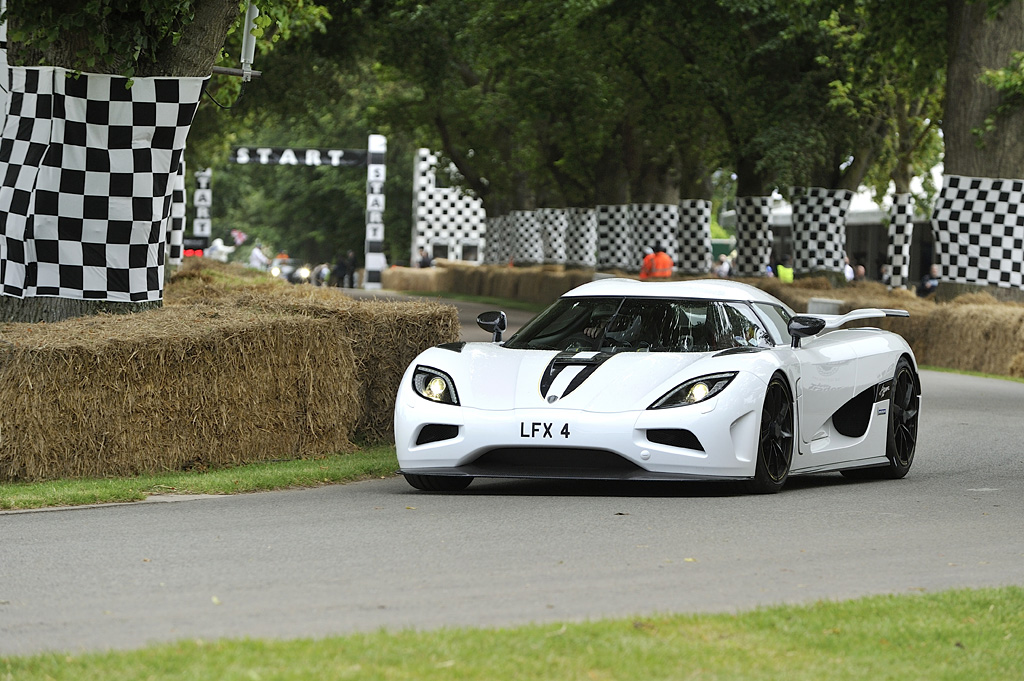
x,y
568,359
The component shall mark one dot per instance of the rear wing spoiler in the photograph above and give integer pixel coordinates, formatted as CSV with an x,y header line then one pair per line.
x,y
834,321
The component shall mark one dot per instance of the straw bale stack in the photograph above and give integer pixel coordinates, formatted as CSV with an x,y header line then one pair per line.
x,y
430,279
385,336
171,389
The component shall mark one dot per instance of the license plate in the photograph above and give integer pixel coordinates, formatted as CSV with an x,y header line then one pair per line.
x,y
544,430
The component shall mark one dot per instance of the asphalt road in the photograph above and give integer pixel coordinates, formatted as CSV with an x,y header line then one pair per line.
x,y
379,554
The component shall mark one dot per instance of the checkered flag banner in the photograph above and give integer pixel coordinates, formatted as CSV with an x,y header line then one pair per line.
x,y
978,224
176,224
694,237
89,170
754,237
901,235
819,228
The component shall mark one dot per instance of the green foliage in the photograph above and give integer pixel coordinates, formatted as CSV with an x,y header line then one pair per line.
x,y
132,32
1009,83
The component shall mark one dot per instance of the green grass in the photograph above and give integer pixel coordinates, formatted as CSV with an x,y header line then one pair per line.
x,y
953,635
366,463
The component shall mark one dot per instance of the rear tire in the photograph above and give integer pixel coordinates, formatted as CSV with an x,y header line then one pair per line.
x,y
901,431
775,439
438,483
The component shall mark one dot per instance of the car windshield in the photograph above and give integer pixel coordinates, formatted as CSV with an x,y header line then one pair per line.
x,y
620,324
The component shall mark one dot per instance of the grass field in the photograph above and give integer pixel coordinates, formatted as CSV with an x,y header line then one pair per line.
x,y
948,636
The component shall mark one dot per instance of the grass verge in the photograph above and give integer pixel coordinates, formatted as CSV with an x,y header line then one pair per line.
x,y
961,634
365,463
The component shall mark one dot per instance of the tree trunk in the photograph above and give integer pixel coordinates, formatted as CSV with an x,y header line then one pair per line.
x,y
192,55
977,43
46,309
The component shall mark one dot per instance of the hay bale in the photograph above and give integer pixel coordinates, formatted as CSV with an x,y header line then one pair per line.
x,y
171,389
385,337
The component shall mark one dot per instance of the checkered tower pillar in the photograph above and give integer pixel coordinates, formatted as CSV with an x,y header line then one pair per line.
x,y
978,224
526,231
423,183
553,223
90,167
615,239
694,237
754,236
654,224
176,224
819,228
581,237
495,246
901,235
443,215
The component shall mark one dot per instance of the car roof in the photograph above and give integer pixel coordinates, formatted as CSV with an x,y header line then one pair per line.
x,y
699,289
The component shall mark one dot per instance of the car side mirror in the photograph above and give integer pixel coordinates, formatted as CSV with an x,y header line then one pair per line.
x,y
494,322
803,326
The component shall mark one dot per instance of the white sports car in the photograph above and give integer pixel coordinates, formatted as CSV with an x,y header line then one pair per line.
x,y
621,379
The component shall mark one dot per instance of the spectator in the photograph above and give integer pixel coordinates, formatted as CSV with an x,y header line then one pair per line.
x,y
848,269
884,276
724,268
257,258
425,259
350,269
662,263
785,270
859,273
648,264
929,282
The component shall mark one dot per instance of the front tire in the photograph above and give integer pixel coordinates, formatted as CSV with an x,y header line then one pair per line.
x,y
901,430
438,483
775,439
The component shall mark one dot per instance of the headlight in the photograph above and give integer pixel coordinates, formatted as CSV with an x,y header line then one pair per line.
x,y
275,271
434,385
304,273
694,391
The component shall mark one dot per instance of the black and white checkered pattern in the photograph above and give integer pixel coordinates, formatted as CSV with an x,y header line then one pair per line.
x,y
581,237
553,223
754,237
89,173
654,224
615,238
819,228
527,243
493,248
978,224
901,236
176,223
624,230
444,215
694,237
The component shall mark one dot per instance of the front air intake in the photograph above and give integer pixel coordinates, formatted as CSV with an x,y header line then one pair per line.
x,y
675,437
436,432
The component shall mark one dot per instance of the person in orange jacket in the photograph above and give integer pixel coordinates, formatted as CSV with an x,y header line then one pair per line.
x,y
648,265
663,264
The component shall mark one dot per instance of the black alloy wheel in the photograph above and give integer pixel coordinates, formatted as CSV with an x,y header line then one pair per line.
x,y
901,429
775,439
